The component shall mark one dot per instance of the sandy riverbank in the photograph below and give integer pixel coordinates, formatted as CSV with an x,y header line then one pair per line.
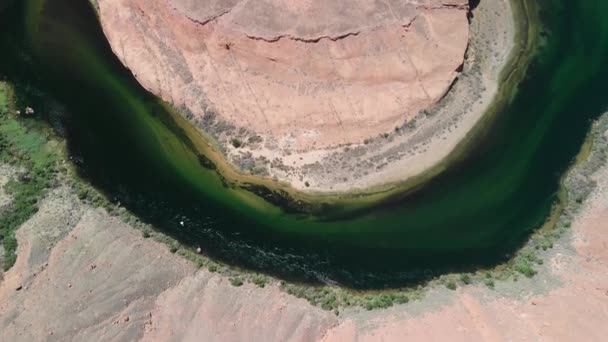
x,y
403,150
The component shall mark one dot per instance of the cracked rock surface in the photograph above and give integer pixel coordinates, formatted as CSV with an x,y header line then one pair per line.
x,y
305,75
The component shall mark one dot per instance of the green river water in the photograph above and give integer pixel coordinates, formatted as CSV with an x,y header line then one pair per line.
x,y
475,214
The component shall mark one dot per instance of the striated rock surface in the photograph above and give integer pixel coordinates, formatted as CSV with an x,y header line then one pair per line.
x,y
295,75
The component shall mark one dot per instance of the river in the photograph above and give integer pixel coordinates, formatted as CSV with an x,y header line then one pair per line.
x,y
475,214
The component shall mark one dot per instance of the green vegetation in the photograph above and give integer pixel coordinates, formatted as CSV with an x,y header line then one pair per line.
x,y
466,279
524,262
260,280
236,142
451,285
236,281
333,298
24,143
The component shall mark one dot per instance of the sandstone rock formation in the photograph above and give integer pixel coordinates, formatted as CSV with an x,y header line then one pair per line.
x,y
304,75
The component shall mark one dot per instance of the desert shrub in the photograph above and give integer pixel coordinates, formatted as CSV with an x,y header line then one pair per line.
x,y
525,268
524,263
259,280
10,246
466,279
236,281
236,142
401,298
384,300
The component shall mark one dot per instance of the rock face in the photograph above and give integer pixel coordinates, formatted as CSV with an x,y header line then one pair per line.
x,y
305,74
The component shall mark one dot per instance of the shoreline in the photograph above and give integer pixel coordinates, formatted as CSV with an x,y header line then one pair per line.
x,y
507,77
570,270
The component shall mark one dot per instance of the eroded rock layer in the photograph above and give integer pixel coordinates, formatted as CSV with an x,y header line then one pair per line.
x,y
303,75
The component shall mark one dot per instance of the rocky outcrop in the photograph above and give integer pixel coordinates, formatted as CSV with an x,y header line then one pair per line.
x,y
300,75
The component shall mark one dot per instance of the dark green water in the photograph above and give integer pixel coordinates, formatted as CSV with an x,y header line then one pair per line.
x,y
475,214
